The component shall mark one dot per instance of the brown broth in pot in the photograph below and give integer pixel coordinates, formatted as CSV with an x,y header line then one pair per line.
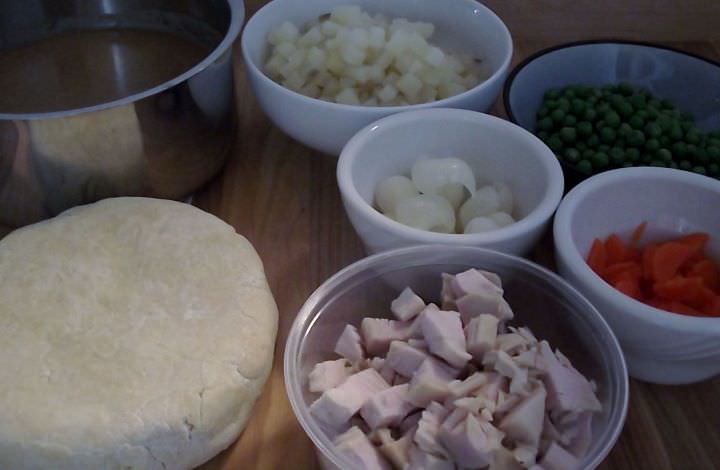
x,y
80,69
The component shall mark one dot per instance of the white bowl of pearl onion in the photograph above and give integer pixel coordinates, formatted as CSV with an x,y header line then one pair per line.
x,y
448,176
324,69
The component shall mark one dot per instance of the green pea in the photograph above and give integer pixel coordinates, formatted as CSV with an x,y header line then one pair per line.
x,y
713,141
673,164
714,169
692,137
607,134
636,138
590,115
653,130
600,160
543,112
636,121
687,117
584,128
664,140
612,119
653,113
543,135
646,158
569,120
627,165
675,132
652,145
552,94
587,154
691,150
664,122
584,166
667,104
685,165
551,104
592,99
658,163
654,103
569,93
603,148
564,104
600,124
714,153
546,123
555,143
686,126
577,107
625,129
558,116
699,170
664,155
617,156
632,154
642,113
701,156
593,140
581,146
625,109
568,134
679,149
571,155
638,100
603,108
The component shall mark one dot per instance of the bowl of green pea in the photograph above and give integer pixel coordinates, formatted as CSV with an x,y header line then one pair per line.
x,y
601,105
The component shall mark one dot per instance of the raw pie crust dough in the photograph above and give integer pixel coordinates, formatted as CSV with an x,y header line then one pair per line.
x,y
134,334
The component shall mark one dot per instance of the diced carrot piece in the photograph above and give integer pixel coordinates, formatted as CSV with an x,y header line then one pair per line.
x,y
714,308
638,233
615,249
629,287
667,260
704,298
683,309
696,242
648,254
657,302
614,272
709,273
633,254
679,288
597,258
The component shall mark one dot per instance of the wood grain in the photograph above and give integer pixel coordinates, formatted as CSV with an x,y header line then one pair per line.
x,y
284,198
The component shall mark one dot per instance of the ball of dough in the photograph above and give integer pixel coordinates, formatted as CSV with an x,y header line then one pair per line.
x,y
134,334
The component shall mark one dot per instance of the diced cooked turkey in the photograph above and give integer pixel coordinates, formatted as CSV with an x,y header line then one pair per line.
x,y
405,359
430,382
358,449
336,406
524,423
444,335
471,442
511,343
426,435
473,281
349,345
407,305
421,460
387,407
329,374
397,451
487,396
505,460
472,305
378,333
567,389
557,458
481,333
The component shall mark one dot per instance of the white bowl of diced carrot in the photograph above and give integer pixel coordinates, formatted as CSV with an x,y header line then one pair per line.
x,y
643,245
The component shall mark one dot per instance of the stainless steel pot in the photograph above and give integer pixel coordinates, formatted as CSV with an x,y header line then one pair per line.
x,y
162,141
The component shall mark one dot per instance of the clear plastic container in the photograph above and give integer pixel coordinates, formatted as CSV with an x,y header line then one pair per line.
x,y
540,299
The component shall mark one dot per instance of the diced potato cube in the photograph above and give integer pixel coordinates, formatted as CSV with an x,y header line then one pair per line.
x,y
312,37
285,49
387,93
347,96
348,15
316,58
409,85
435,56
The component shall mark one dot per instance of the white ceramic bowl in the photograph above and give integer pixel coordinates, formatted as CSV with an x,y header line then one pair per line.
x,y
659,346
495,149
460,25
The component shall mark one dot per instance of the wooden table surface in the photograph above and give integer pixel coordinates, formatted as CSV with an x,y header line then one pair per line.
x,y
284,198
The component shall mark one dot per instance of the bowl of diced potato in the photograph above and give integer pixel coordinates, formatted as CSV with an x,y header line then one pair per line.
x,y
322,70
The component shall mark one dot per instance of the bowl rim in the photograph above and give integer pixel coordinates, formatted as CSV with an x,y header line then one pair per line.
x,y
617,416
237,17
576,263
507,87
497,74
535,218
